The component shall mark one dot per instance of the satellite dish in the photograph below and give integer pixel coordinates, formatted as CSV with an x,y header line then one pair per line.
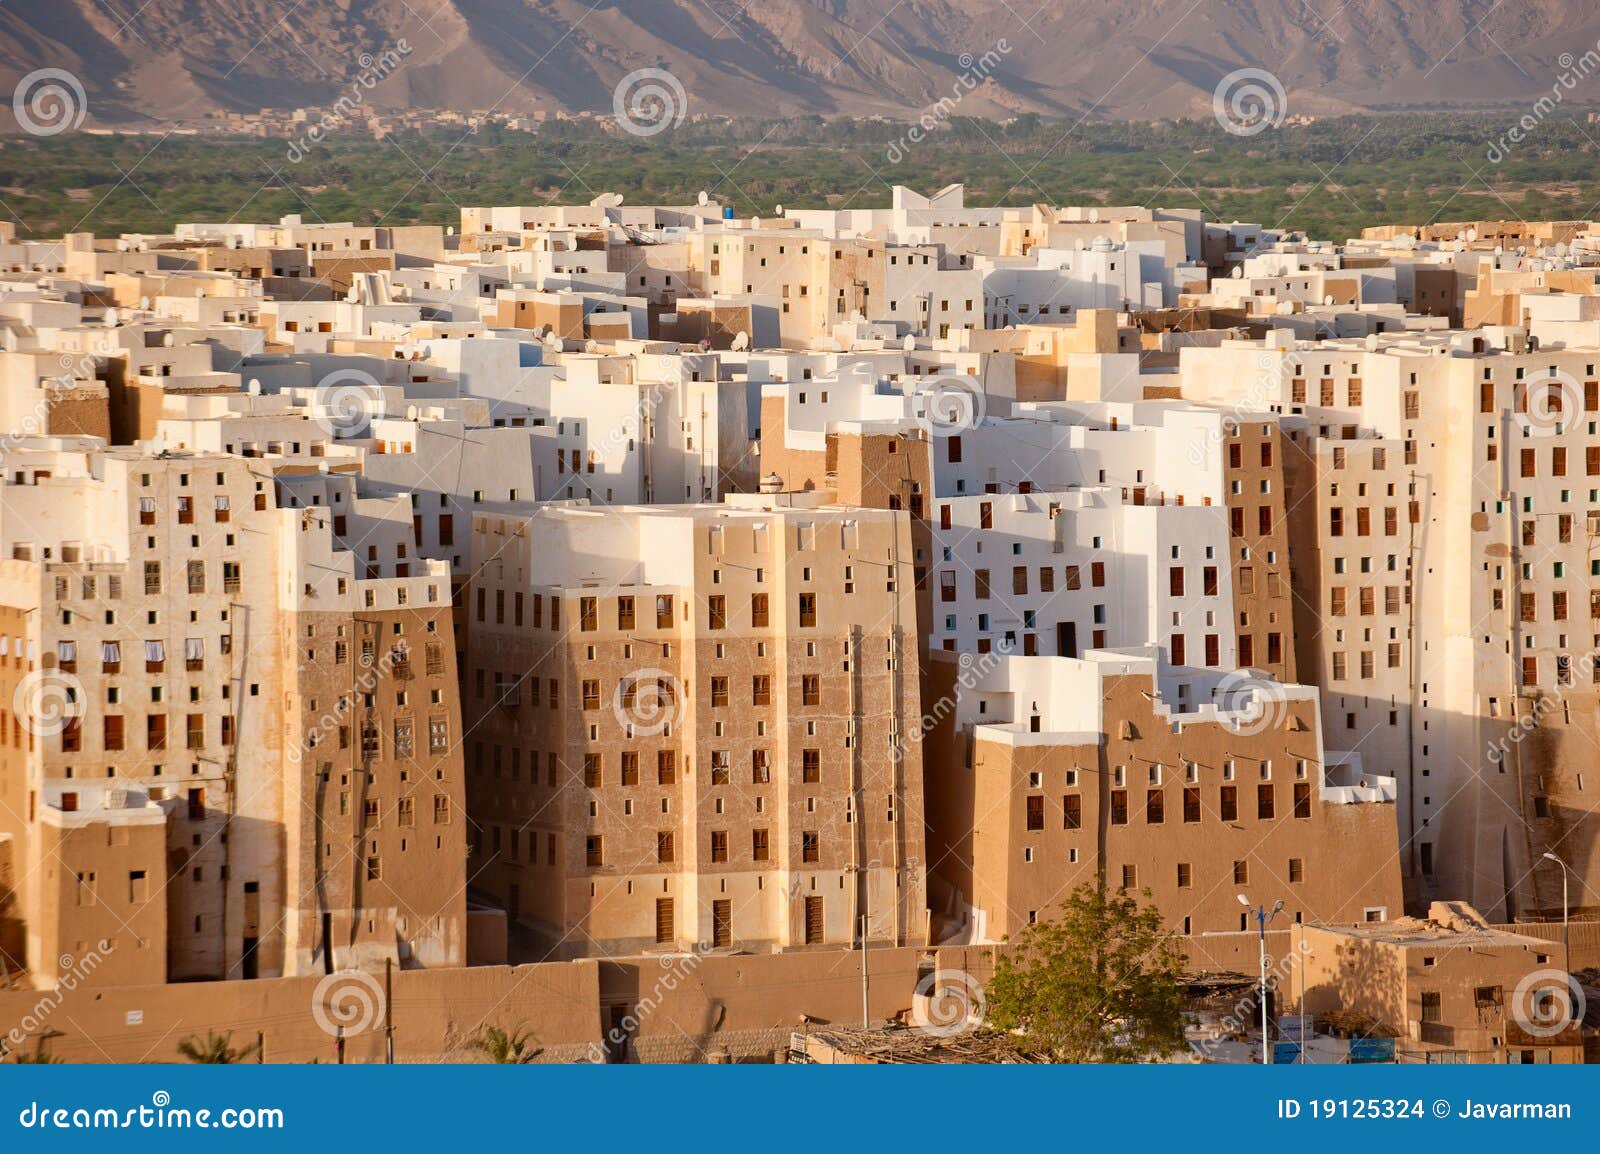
x,y
144,304
741,341
111,318
590,346
755,222
1472,234
1238,272
1499,250
449,230
1094,216
1328,300
778,209
411,412
703,199
1372,342
166,341
322,467
253,388
909,344
157,445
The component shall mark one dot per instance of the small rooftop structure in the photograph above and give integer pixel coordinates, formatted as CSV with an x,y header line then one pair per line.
x,y
908,1045
1448,925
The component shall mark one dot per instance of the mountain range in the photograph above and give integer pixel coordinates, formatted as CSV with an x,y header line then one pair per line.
x,y
148,62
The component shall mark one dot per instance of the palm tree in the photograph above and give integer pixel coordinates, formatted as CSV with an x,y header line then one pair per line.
x,y
216,1049
39,1057
506,1048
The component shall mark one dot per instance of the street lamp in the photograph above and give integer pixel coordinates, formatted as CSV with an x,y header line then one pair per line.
x,y
1262,916
1566,943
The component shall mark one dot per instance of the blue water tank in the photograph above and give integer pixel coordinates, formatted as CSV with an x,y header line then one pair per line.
x,y
727,212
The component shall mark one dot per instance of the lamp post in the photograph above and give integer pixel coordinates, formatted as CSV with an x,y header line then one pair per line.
x,y
1566,942
1262,916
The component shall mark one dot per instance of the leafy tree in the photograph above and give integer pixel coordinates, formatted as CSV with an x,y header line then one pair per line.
x,y
215,1049
1098,983
512,1047
1404,167
38,1057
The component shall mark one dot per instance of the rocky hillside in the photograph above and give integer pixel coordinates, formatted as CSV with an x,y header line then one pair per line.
x,y
176,59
